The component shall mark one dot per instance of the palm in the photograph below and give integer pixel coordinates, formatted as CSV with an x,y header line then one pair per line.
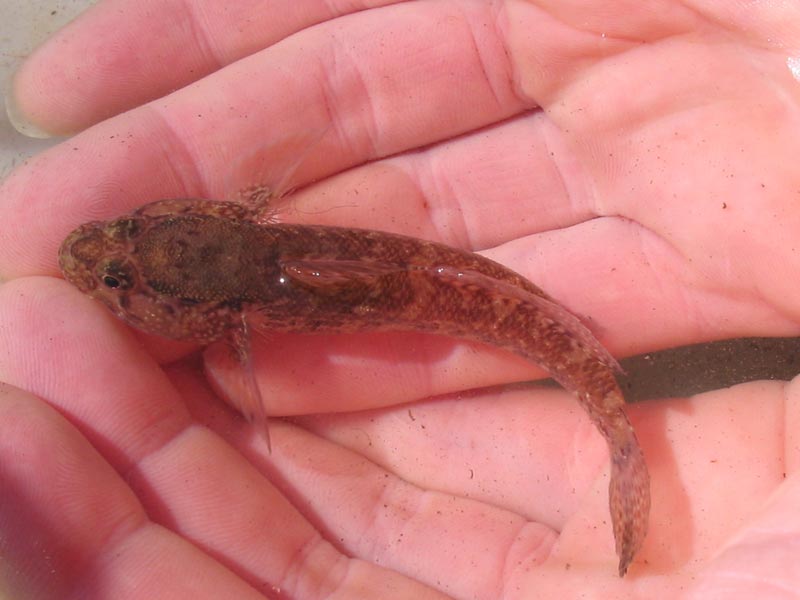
x,y
647,194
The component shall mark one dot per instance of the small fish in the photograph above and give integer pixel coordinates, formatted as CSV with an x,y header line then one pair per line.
x,y
207,271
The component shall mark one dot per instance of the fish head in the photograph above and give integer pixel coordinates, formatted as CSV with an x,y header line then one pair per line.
x,y
95,259
104,261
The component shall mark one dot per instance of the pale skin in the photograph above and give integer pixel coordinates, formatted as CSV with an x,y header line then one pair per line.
x,y
653,193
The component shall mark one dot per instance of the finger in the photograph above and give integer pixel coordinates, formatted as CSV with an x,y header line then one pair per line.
x,y
72,528
118,55
70,351
345,92
476,192
333,373
185,476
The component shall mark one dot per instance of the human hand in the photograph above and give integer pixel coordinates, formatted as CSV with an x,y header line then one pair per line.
x,y
592,181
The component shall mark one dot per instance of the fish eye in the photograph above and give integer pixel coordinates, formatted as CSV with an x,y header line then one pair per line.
x,y
116,275
111,282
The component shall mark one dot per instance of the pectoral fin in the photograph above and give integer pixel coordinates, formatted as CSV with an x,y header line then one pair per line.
x,y
333,275
234,378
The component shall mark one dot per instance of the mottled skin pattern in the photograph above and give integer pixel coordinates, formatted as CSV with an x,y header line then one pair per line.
x,y
204,271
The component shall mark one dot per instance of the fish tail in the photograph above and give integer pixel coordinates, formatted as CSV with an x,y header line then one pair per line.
x,y
629,483
629,499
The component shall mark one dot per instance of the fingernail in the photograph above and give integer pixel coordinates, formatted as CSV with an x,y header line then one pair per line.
x,y
18,119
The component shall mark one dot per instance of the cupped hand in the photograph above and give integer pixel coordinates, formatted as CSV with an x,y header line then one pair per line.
x,y
631,164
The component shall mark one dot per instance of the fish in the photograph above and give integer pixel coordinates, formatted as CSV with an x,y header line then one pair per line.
x,y
209,271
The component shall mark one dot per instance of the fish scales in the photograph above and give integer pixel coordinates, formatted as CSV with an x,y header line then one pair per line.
x,y
206,271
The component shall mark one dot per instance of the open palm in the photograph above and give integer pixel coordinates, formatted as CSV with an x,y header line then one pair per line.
x,y
631,164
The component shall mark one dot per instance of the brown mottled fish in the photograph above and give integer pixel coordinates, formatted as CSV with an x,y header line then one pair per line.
x,y
207,271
